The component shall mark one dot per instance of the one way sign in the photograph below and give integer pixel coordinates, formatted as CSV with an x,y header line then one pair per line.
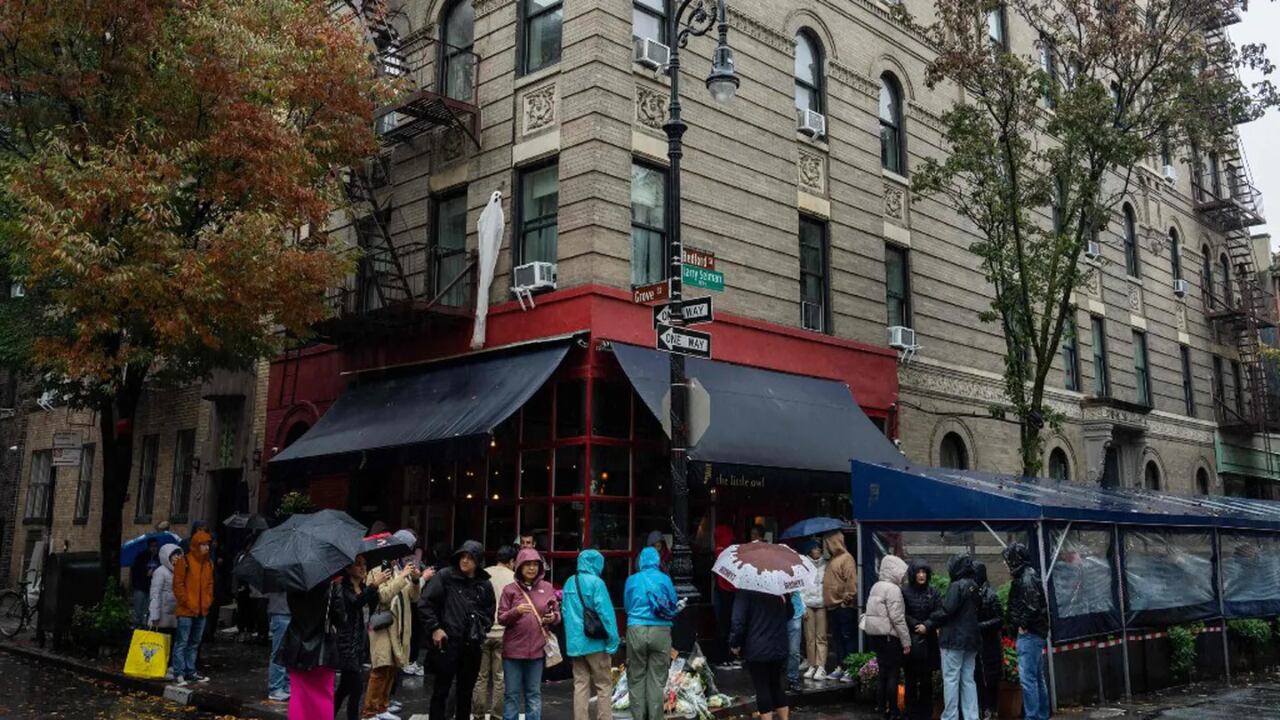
x,y
696,312
684,342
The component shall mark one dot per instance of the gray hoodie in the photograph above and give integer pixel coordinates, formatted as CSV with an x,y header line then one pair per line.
x,y
163,602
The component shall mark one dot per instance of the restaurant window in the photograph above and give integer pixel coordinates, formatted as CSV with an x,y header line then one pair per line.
x,y
1070,356
457,60
1152,476
540,30
84,485
449,254
1130,242
571,408
893,156
649,20
39,485
538,223
611,409
815,278
183,469
1059,468
953,452
147,478
1237,382
1188,385
1101,381
808,72
1141,369
648,224
897,286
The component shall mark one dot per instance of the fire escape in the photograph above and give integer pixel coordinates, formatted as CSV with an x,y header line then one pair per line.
x,y
403,284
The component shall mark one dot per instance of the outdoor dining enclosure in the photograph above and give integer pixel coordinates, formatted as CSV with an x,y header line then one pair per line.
x,y
1121,566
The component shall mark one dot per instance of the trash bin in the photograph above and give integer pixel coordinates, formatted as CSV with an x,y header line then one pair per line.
x,y
70,579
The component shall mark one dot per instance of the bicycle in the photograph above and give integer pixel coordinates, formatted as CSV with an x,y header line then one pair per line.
x,y
16,609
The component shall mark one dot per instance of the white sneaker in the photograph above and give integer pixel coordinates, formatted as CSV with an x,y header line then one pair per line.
x,y
804,666
819,675
388,715
394,707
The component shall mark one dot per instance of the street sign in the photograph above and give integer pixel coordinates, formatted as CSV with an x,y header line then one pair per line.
x,y
696,257
685,342
655,292
698,417
695,311
706,279
67,439
66,457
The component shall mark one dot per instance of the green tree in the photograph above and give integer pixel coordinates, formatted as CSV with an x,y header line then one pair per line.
x,y
1043,146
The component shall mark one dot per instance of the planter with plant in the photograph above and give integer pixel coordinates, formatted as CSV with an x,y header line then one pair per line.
x,y
1009,703
104,627
1182,649
1250,644
294,503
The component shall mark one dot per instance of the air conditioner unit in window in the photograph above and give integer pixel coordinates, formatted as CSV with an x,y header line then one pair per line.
x,y
902,338
1170,172
1180,287
813,124
811,316
530,278
1093,250
651,53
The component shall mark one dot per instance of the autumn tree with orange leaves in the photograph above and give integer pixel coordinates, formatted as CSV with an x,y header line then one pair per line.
x,y
157,156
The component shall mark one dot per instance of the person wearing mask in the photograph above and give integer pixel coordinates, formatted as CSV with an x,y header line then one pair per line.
x,y
815,616
920,599
840,595
527,608
722,592
163,606
591,655
795,657
277,674
140,572
649,598
489,693
759,637
389,629
457,609
885,623
1029,613
959,639
193,593
990,655
358,590
307,650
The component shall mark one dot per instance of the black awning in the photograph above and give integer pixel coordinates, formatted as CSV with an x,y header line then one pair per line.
x,y
764,418
465,399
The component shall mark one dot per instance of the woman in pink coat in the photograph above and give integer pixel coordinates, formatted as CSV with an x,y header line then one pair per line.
x,y
526,609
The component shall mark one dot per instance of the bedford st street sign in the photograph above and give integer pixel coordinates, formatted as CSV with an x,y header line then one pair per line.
x,y
683,341
696,311
704,259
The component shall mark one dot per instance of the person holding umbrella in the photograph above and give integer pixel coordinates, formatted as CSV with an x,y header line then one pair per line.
x,y
140,572
458,608
310,649
359,590
759,637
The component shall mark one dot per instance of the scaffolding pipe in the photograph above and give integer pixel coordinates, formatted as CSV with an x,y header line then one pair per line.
x,y
1222,604
1124,613
1044,580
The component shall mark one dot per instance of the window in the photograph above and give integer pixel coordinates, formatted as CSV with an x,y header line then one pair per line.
x,y
815,279
1219,383
1202,481
183,469
1059,468
147,478
1188,386
1214,172
449,256
1049,64
1070,356
1101,383
1206,277
808,72
1152,476
1227,298
84,486
649,20
1175,254
892,154
40,485
1237,383
897,286
953,453
540,34
457,61
1059,209
998,28
1166,154
648,224
1141,370
1130,242
539,199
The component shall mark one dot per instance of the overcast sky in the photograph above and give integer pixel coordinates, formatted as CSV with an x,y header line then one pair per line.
x,y
1262,136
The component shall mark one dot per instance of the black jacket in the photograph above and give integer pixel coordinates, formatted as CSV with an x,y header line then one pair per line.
x,y
990,621
957,618
1027,607
921,601
307,643
353,634
463,606
759,625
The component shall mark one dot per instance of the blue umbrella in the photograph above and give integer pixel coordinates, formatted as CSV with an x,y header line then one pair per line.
x,y
812,526
132,548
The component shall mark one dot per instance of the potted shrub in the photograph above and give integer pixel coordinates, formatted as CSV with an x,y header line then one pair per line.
x,y
865,671
1009,703
1250,641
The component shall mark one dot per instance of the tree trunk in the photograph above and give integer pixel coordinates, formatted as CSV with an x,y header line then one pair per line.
x,y
117,465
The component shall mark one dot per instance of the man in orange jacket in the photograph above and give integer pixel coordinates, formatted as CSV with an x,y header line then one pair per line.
x,y
193,590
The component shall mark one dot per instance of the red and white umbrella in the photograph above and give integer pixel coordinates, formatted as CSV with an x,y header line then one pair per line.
x,y
765,567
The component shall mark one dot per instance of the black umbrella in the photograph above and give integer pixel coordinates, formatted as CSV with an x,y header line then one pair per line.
x,y
304,551
247,521
388,546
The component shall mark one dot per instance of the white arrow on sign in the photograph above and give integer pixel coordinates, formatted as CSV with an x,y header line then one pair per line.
x,y
683,341
696,311
697,419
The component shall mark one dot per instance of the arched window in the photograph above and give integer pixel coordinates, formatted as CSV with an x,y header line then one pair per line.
x,y
1225,264
457,62
893,156
1175,254
953,453
1206,277
1202,481
808,72
1152,476
1059,466
1130,242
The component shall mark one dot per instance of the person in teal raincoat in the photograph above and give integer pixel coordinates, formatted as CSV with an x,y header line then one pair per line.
x,y
591,656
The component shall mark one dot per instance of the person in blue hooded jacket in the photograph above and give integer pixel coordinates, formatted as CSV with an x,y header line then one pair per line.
x,y
591,656
650,600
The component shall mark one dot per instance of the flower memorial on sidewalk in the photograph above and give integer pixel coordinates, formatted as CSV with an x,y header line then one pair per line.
x,y
690,693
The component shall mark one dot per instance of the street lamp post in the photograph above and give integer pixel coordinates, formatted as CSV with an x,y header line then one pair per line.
x,y
691,18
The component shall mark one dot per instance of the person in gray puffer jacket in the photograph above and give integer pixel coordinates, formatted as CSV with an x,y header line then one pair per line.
x,y
885,621
162,611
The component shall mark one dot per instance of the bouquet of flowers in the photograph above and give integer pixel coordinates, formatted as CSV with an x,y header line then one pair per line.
x,y
1009,659
869,672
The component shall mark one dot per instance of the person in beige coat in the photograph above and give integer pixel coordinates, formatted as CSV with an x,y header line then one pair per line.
x,y
885,623
840,596
389,646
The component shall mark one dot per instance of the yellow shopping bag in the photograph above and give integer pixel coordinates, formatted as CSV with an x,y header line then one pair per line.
x,y
148,655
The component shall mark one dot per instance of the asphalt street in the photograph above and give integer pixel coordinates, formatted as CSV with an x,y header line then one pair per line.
x,y
30,690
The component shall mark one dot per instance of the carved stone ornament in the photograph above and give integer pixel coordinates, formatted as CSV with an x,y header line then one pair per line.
x,y
1156,242
539,108
894,202
1180,316
1093,285
1135,299
812,173
651,107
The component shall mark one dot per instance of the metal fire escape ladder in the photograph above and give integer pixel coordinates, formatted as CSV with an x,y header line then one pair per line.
x,y
380,250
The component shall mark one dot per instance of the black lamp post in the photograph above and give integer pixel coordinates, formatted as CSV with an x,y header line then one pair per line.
x,y
691,18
